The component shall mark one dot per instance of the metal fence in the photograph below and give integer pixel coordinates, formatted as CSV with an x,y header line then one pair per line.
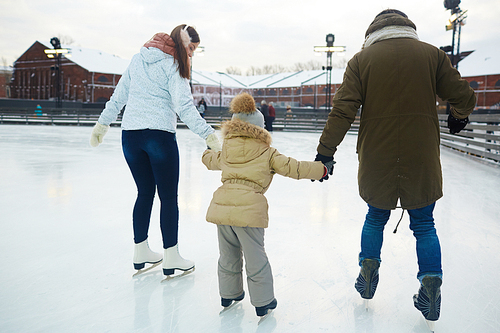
x,y
481,137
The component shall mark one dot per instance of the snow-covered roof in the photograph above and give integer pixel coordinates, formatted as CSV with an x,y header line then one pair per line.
x,y
277,80
480,62
95,60
477,63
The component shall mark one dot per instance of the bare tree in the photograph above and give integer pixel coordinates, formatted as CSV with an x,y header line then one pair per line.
x,y
277,68
307,66
341,63
7,76
65,39
233,70
253,71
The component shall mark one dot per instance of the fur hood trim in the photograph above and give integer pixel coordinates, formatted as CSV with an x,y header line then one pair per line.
x,y
237,127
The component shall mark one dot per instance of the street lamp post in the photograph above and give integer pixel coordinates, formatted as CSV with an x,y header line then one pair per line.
x,y
457,20
329,49
56,53
455,23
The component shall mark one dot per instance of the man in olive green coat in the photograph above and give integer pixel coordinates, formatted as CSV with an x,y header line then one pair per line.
x,y
395,79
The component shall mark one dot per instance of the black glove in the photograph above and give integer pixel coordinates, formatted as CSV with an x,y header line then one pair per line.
x,y
328,162
456,125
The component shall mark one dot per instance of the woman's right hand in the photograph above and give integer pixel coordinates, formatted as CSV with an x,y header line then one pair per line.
x,y
213,142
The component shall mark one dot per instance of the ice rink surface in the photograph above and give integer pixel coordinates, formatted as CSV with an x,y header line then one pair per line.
x,y
66,244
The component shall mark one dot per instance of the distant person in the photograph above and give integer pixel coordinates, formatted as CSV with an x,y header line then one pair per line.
x,y
38,110
264,108
395,79
239,207
272,116
155,89
202,107
288,114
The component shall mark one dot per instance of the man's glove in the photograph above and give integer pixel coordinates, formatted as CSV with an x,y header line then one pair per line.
x,y
328,162
456,125
98,133
213,142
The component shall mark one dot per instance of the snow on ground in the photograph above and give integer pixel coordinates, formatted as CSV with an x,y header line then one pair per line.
x,y
66,244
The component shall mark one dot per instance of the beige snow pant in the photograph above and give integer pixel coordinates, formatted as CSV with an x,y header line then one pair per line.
x,y
232,241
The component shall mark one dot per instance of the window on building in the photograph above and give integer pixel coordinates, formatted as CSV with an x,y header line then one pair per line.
x,y
474,85
297,92
272,92
286,92
497,84
102,78
309,90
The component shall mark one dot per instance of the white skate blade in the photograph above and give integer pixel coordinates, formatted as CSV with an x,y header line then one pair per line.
x,y
367,304
171,277
144,270
265,316
226,309
430,324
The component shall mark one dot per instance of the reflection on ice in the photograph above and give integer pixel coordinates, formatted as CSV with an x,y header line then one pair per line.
x,y
66,244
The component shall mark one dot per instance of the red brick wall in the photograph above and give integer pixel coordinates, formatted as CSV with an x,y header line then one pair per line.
x,y
35,78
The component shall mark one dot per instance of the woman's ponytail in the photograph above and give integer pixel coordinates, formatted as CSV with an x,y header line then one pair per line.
x,y
180,48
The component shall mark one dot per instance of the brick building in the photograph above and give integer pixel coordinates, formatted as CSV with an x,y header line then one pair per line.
x,y
298,89
85,75
487,88
88,75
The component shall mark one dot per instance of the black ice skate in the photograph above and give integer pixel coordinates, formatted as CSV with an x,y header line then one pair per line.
x,y
264,310
225,302
367,281
428,299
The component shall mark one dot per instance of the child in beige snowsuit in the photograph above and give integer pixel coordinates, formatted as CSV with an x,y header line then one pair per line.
x,y
239,207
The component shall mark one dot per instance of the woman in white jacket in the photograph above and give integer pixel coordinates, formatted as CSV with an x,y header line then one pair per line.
x,y
154,90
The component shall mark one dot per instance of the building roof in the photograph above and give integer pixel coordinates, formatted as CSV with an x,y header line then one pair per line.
x,y
477,63
95,60
480,62
6,69
277,80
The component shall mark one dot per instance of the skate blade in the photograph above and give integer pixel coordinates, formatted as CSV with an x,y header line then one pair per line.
x,y
265,316
144,270
367,304
226,309
171,277
430,324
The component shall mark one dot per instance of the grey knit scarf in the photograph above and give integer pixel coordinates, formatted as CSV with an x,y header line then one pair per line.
x,y
389,32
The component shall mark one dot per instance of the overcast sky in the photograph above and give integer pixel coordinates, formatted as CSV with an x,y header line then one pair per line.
x,y
240,33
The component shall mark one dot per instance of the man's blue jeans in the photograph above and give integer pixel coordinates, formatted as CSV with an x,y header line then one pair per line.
x,y
422,225
153,159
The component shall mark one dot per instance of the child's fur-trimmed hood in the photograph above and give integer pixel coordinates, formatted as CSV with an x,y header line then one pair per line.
x,y
237,127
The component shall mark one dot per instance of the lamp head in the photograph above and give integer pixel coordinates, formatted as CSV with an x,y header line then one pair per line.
x,y
55,42
330,38
451,4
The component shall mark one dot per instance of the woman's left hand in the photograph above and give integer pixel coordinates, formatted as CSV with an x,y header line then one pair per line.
x,y
213,142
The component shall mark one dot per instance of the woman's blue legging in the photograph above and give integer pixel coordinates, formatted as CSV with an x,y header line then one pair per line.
x,y
153,159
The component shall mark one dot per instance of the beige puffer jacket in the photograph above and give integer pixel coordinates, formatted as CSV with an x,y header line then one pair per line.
x,y
248,165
